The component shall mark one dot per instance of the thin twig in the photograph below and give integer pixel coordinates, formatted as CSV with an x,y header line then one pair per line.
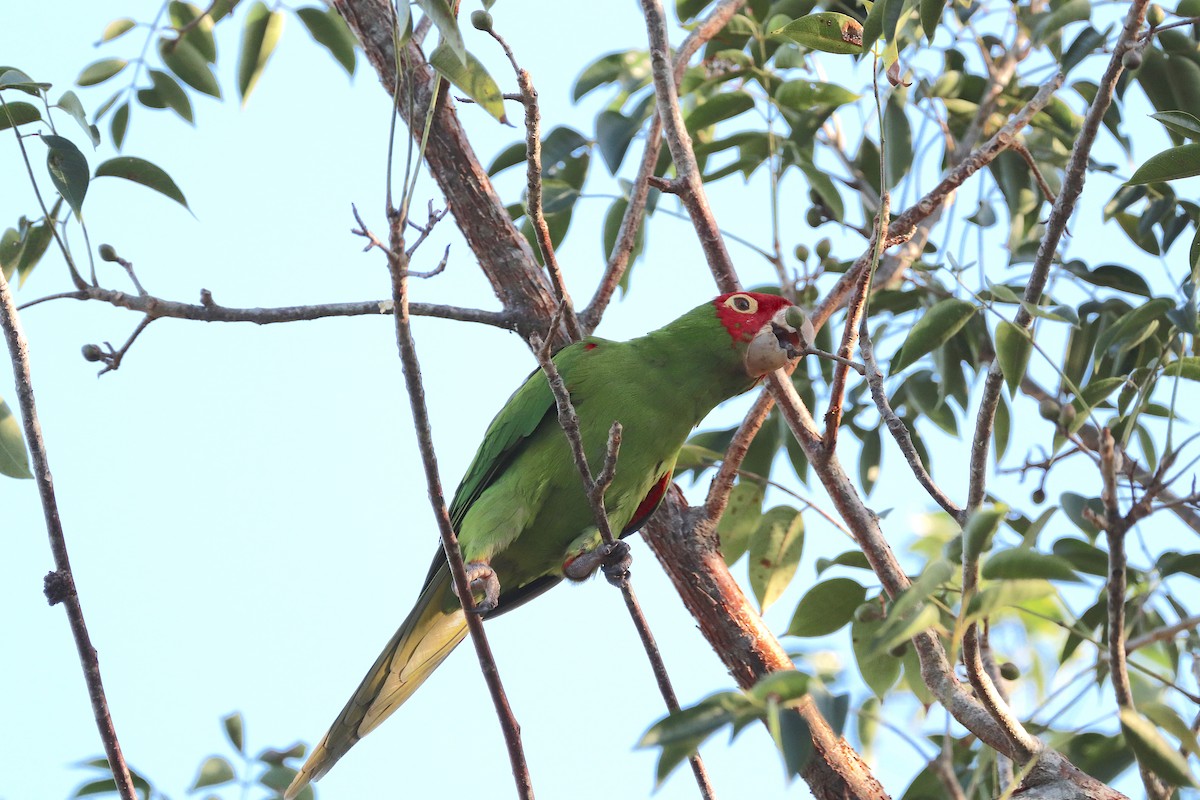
x,y
904,226
209,311
898,429
1020,149
533,185
595,489
1116,528
735,453
1162,634
60,584
397,264
1056,224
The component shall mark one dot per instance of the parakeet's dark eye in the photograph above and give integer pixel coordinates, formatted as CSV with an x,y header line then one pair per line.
x,y
743,303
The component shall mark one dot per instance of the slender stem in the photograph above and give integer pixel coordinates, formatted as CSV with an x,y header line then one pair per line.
x,y
60,584
1056,225
595,489
397,263
209,311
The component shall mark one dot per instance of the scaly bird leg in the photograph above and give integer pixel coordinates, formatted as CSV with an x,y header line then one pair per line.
x,y
614,559
482,579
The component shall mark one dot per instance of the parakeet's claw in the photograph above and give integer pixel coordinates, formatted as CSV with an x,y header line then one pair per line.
x,y
613,559
616,561
482,579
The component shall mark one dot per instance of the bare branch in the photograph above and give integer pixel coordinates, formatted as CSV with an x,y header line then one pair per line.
x,y
60,584
904,226
209,311
397,264
722,482
1056,224
595,489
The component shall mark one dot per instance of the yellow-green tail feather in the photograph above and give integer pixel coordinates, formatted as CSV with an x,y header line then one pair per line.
x,y
433,628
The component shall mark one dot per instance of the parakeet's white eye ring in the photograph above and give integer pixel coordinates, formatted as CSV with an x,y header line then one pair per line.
x,y
743,303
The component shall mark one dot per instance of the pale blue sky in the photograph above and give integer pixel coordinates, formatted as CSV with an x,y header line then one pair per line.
x,y
244,506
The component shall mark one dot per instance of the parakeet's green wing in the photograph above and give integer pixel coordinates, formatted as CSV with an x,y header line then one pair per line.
x,y
505,437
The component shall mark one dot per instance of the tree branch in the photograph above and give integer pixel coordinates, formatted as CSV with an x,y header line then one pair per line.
x,y
1056,225
60,584
595,489
397,266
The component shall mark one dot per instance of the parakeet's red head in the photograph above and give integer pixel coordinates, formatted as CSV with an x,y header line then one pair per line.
x,y
760,323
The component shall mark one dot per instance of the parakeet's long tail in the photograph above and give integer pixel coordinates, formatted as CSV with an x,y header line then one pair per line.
x,y
433,628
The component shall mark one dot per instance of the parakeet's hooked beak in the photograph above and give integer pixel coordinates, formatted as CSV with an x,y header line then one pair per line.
x,y
783,338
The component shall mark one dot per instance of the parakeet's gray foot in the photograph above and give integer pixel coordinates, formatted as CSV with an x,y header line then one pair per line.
x,y
613,559
482,578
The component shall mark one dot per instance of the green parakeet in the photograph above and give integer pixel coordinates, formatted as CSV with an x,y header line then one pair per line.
x,y
521,508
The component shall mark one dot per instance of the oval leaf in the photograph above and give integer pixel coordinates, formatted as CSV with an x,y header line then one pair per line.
x,y
18,113
259,37
14,461
1013,349
442,15
1153,751
826,607
1023,564
329,30
189,64
1169,165
100,71
934,329
139,170
828,31
470,76
775,552
213,772
68,171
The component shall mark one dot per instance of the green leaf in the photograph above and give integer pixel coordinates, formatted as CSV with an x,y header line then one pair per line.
x,y
1005,594
1073,506
18,113
873,25
879,670
68,171
1002,429
14,460
900,628
680,733
936,327
869,459
1153,751
1082,556
803,96
788,684
826,607
329,30
439,11
259,37
1051,23
824,186
614,132
1087,42
740,519
100,71
213,772
612,228
1169,720
200,26
118,27
898,144
1181,122
36,244
1014,346
171,94
119,124
980,528
717,108
1023,564
188,63
792,736
234,730
828,31
1178,162
142,171
69,102
850,558
1187,367
775,553
931,15
1133,325
471,77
